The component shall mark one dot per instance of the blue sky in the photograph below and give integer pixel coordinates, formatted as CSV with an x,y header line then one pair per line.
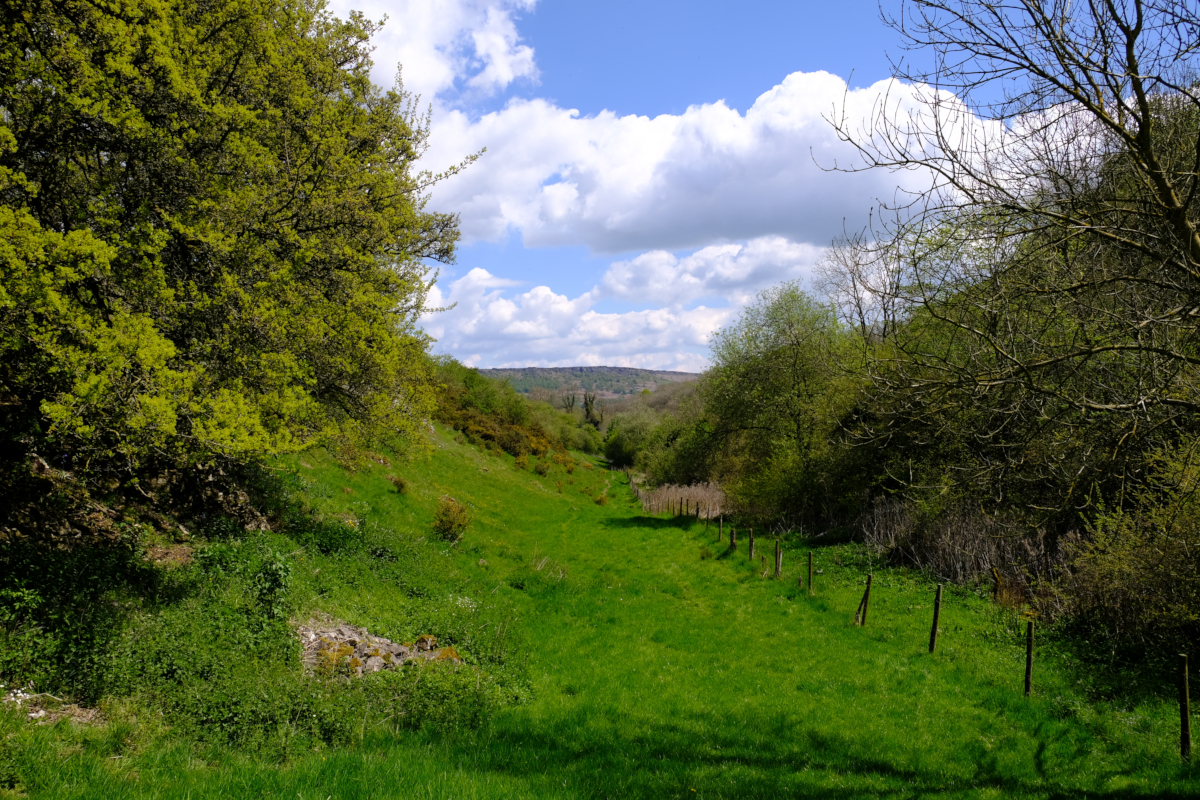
x,y
650,165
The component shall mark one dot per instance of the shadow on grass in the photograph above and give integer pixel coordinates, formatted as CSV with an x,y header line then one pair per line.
x,y
60,607
656,523
724,755
775,757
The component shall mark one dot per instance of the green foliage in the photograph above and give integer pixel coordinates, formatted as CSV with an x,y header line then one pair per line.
x,y
59,611
767,419
270,585
212,236
22,642
629,434
451,520
324,535
1136,574
565,381
491,414
828,707
775,377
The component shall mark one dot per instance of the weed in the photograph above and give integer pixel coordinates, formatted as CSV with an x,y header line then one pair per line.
x,y
451,520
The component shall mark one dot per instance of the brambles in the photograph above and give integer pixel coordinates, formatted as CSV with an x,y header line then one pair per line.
x,y
451,519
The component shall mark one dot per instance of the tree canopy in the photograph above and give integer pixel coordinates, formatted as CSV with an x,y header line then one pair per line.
x,y
213,238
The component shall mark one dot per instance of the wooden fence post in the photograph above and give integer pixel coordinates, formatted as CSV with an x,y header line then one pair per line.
x,y
732,537
937,612
810,586
1185,716
1029,658
778,559
751,541
720,527
861,616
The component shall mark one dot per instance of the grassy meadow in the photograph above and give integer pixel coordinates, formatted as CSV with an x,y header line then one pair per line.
x,y
658,664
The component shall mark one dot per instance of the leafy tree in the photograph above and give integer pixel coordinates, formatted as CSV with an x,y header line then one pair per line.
x,y
629,434
775,398
1050,275
593,412
212,237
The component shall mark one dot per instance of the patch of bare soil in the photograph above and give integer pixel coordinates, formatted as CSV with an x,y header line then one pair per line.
x,y
175,555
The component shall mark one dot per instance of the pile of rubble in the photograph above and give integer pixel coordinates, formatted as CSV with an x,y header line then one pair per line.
x,y
345,649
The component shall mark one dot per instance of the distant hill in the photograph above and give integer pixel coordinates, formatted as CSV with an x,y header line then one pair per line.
x,y
606,382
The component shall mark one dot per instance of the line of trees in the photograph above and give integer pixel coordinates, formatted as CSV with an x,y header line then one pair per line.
x,y
1015,346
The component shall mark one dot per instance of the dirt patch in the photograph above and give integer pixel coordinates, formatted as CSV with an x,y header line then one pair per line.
x,y
175,555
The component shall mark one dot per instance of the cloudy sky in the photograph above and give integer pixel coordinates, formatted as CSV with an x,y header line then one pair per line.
x,y
650,165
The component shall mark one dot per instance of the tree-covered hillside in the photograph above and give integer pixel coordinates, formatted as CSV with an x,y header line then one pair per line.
x,y
605,382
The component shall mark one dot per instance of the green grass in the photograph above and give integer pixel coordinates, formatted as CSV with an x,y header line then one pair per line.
x,y
660,665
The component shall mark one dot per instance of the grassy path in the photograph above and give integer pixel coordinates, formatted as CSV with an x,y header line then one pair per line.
x,y
665,667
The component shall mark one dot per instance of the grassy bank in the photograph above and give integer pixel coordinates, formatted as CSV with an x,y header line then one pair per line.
x,y
644,660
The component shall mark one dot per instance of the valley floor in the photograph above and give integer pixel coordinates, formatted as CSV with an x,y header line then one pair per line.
x,y
665,666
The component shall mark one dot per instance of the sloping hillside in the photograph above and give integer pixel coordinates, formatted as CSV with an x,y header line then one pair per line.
x,y
606,382
661,663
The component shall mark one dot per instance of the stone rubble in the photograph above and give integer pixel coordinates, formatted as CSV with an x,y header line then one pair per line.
x,y
334,647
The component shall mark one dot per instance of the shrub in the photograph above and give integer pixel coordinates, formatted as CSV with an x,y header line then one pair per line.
x,y
542,468
326,536
400,484
270,585
602,500
451,519
522,461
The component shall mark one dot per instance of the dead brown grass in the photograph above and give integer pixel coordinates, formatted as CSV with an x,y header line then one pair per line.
x,y
704,500
964,546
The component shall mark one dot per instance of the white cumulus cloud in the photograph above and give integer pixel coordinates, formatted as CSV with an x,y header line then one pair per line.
x,y
447,47
716,203
542,328
539,327
733,272
711,174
